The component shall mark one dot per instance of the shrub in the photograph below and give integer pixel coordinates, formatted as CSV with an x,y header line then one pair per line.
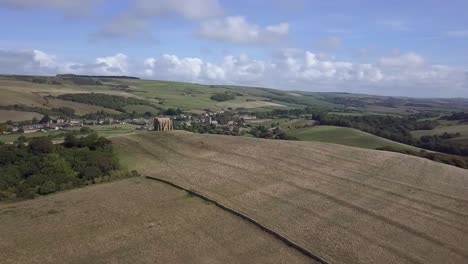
x,y
221,97
48,187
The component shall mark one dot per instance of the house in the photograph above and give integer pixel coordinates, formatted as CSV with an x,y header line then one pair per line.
x,y
248,117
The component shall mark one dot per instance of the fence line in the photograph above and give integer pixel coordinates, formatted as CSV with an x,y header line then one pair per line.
x,y
247,218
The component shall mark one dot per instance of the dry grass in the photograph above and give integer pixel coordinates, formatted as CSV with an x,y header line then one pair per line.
x,y
348,205
132,221
6,115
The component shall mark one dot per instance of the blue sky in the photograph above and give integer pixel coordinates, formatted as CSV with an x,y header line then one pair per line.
x,y
408,48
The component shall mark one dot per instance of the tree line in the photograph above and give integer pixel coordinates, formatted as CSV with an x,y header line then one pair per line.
x,y
41,167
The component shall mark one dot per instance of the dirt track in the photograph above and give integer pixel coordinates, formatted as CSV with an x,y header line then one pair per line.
x,y
348,205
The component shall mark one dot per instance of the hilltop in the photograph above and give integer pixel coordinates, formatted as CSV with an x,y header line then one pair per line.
x,y
345,204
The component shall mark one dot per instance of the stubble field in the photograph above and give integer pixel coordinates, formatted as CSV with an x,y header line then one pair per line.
x,y
345,204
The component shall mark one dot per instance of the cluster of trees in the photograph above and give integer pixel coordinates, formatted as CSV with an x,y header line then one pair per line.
x,y
439,143
104,100
221,97
208,129
41,167
459,116
261,131
172,111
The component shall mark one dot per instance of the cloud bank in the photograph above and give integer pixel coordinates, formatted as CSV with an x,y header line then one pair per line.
x,y
401,74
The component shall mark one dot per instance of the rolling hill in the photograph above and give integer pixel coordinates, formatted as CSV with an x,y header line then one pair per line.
x,y
132,221
345,204
344,136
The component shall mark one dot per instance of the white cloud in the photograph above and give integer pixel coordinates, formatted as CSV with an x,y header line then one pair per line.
x,y
402,74
458,33
236,29
69,7
403,60
280,29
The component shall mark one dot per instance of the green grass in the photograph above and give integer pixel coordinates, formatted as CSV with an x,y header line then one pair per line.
x,y
102,130
344,136
462,129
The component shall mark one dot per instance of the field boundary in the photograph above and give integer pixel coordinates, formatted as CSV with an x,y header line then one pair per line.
x,y
245,217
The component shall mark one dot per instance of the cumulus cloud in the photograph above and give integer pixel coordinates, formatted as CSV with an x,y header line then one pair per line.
x,y
27,62
403,60
401,74
236,29
72,8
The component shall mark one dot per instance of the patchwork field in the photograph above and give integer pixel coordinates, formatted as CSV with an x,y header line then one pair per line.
x,y
14,116
344,136
347,205
132,221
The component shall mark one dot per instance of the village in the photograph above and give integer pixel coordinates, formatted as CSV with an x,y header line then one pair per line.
x,y
220,122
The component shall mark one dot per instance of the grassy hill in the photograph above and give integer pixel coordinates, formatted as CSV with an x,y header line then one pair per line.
x,y
132,221
344,136
347,205
39,91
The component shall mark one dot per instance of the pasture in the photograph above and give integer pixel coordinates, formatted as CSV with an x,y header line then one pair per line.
x,y
347,205
132,221
344,136
6,115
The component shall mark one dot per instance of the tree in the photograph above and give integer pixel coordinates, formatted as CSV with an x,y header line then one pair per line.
x,y
41,145
45,119
71,141
48,187
85,130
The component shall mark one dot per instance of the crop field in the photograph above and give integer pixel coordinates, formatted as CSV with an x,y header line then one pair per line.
x,y
347,205
14,116
132,221
344,136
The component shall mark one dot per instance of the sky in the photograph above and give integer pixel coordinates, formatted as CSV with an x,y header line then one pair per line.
x,y
416,48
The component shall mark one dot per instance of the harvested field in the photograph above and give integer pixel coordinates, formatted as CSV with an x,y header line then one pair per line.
x,y
132,221
345,204
6,115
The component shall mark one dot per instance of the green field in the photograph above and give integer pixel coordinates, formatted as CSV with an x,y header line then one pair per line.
x,y
462,129
344,136
102,130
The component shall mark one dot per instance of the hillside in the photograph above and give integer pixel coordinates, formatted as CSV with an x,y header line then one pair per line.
x,y
345,204
41,92
344,136
132,221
